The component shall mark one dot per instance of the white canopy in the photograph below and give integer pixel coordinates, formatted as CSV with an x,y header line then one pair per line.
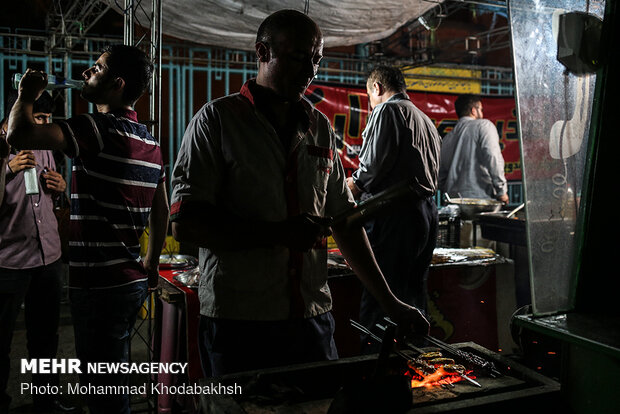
x,y
233,23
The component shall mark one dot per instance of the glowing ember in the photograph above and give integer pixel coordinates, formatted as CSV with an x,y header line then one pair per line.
x,y
437,378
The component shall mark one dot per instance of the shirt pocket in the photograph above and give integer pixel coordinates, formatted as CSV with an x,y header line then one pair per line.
x,y
321,164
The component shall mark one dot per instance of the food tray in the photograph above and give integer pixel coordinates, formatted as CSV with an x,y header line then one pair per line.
x,y
189,277
176,261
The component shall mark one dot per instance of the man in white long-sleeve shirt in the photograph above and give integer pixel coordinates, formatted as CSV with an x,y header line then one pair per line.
x,y
471,163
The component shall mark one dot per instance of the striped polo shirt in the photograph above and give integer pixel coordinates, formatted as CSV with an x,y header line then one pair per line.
x,y
117,166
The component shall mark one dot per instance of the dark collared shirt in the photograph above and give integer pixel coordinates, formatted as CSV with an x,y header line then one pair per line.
x,y
232,157
400,143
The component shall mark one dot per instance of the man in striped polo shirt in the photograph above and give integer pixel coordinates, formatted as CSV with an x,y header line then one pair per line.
x,y
117,189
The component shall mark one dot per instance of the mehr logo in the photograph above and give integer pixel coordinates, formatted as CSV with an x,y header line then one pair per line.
x,y
51,366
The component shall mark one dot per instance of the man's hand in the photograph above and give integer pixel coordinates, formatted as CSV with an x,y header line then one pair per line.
x,y
409,319
54,181
503,198
24,159
152,271
302,232
355,190
32,85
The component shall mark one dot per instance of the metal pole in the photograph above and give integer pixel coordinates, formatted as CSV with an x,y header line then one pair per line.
x,y
128,17
156,36
155,117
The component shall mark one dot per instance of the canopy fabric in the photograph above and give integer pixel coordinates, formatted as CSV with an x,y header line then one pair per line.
x,y
233,23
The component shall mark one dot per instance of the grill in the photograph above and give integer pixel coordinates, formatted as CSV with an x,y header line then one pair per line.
x,y
345,385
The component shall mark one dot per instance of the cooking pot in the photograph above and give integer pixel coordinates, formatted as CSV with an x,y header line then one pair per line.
x,y
470,207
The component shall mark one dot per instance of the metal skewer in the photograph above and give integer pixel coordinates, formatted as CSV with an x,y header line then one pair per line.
x,y
408,358
474,359
465,377
436,342
513,212
362,328
410,345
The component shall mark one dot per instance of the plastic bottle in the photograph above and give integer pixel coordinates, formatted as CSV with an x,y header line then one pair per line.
x,y
53,82
31,181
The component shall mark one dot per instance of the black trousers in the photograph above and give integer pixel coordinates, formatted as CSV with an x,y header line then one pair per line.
x,y
103,320
40,290
402,242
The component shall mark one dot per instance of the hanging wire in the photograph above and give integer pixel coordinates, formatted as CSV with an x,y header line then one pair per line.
x,y
306,7
432,19
137,20
137,5
62,16
147,15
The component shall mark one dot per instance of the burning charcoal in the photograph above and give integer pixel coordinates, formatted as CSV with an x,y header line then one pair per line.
x,y
420,365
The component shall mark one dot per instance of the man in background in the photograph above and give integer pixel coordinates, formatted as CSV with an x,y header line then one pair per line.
x,y
31,271
401,144
472,165
118,187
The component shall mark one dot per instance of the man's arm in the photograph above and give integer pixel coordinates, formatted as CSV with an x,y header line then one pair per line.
x,y
158,229
491,157
208,226
23,132
446,158
353,244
